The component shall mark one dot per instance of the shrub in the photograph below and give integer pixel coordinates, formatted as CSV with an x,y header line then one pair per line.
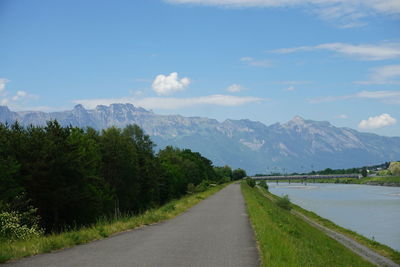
x,y
191,188
284,202
11,227
394,168
384,173
251,182
203,186
364,172
263,184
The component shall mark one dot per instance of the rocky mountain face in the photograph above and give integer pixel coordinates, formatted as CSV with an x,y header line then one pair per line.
x,y
298,145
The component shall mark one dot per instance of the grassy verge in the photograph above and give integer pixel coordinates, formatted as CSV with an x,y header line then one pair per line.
x,y
286,240
377,180
381,180
102,229
376,246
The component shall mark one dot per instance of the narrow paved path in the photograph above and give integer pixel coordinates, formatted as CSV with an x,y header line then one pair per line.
x,y
216,232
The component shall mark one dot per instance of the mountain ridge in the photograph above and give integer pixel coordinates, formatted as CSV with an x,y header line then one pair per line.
x,y
297,145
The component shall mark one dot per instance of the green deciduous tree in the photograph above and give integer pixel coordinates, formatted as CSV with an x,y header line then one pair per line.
x,y
394,168
238,174
67,176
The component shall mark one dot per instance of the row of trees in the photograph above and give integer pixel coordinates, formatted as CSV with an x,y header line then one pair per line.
x,y
72,176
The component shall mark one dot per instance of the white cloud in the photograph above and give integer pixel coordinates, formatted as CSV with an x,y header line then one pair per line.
x,y
174,103
378,94
295,82
388,97
362,52
257,63
19,95
234,88
290,88
166,85
347,12
142,80
383,75
341,116
13,101
3,82
377,122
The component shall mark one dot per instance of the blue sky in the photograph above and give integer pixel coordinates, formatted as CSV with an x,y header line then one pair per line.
x,y
264,60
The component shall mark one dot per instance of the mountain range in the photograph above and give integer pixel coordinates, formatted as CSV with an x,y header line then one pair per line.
x,y
298,145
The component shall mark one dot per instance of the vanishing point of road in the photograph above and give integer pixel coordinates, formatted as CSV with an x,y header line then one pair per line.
x,y
215,232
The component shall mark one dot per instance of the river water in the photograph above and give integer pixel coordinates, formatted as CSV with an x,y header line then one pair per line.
x,y
373,211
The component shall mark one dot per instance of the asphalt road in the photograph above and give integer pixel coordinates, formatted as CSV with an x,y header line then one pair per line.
x,y
216,232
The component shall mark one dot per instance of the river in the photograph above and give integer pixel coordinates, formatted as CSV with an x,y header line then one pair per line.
x,y
373,211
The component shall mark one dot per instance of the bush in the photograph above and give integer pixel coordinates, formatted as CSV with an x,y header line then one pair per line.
x,y
263,184
364,172
284,202
251,182
191,188
384,173
394,168
11,227
203,186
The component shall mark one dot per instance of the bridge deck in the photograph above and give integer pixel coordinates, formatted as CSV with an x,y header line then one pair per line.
x,y
305,177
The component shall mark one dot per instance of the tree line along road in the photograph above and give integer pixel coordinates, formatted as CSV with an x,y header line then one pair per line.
x,y
216,232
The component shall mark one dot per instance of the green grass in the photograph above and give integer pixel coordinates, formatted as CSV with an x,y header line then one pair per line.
x,y
374,245
381,180
286,240
103,228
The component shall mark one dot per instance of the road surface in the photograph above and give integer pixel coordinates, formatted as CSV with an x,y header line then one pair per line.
x,y
216,232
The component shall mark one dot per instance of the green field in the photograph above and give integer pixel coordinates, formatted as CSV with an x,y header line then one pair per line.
x,y
286,240
102,229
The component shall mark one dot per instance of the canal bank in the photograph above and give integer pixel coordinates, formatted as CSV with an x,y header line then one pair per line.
x,y
376,253
372,211
286,240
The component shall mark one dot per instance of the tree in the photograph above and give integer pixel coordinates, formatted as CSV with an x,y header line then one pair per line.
x,y
238,174
263,184
224,173
251,182
394,168
67,176
364,172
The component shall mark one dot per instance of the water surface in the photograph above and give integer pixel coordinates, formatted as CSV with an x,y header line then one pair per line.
x,y
373,211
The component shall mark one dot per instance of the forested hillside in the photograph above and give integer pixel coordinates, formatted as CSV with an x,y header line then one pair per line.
x,y
299,145
56,177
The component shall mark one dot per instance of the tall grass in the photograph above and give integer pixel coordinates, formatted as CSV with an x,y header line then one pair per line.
x,y
103,228
285,240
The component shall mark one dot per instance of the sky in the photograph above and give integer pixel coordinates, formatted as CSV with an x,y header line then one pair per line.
x,y
264,60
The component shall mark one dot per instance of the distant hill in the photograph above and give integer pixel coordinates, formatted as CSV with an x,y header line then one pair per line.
x,y
298,145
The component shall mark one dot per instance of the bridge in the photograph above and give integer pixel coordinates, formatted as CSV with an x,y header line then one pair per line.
x,y
305,177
